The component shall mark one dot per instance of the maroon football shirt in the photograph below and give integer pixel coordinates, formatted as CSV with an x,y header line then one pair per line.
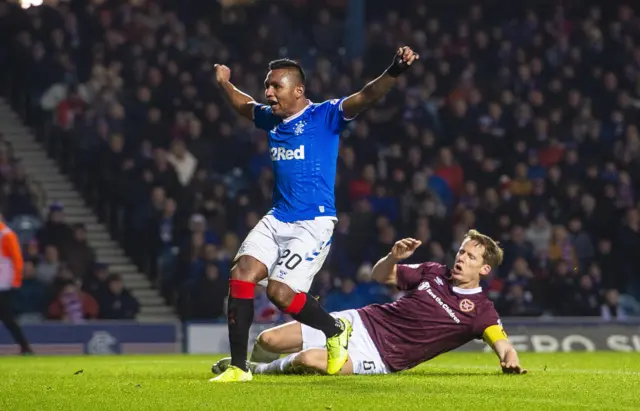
x,y
433,318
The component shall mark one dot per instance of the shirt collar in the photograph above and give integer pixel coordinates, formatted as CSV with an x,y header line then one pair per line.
x,y
298,114
467,291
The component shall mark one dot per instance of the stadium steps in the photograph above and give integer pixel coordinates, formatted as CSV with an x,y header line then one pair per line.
x,y
57,188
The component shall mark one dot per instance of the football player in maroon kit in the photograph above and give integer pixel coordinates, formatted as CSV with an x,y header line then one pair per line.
x,y
443,309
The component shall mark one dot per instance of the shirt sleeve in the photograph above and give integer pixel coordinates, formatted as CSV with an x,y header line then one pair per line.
x,y
334,115
408,276
488,326
263,117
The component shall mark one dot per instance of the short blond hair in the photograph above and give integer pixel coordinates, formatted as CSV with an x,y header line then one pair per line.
x,y
493,254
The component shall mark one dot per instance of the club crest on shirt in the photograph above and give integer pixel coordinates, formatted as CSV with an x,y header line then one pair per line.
x,y
424,286
467,305
299,129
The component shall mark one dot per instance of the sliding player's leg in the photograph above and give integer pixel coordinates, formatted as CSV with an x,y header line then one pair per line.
x,y
270,344
362,358
283,339
310,361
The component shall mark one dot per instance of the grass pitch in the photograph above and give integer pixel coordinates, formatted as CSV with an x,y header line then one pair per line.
x,y
456,381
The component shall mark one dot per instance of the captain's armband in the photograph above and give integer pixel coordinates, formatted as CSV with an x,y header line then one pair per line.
x,y
494,333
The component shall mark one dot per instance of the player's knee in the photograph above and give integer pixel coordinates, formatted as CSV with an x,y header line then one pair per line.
x,y
311,359
248,269
280,294
268,340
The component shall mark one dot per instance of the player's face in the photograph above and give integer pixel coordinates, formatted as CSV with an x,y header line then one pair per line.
x,y
282,91
469,264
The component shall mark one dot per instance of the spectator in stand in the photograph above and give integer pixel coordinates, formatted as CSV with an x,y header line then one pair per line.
x,y
371,292
49,266
72,305
207,295
28,301
518,302
587,300
95,283
619,307
80,257
561,248
116,302
344,298
55,231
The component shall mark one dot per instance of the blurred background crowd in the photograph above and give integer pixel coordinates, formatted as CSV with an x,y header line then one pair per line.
x,y
519,120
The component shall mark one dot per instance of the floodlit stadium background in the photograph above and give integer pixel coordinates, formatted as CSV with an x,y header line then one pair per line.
x,y
519,120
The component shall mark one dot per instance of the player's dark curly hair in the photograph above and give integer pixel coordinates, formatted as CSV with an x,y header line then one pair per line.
x,y
289,64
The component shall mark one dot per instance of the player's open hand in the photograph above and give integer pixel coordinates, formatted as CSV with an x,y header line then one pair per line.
x,y
223,73
405,248
511,364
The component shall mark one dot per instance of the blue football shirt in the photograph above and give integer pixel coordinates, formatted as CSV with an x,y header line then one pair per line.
x,y
304,153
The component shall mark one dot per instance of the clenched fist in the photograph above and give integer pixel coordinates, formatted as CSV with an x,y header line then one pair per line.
x,y
403,58
223,73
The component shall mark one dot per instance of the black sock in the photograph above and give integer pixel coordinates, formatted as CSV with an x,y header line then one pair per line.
x,y
313,315
239,317
16,332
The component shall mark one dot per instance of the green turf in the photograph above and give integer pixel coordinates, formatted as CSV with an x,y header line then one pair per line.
x,y
457,381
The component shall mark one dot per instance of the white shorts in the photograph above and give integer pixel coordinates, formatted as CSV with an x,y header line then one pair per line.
x,y
362,351
292,252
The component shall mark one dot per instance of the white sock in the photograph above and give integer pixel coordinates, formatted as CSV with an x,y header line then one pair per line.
x,y
260,354
279,366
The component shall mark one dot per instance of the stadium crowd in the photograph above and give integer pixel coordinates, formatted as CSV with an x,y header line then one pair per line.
x,y
520,123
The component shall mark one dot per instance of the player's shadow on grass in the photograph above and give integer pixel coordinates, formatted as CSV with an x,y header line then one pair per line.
x,y
300,379
360,383
294,380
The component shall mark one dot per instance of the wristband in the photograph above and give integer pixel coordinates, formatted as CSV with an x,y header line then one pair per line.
x,y
397,67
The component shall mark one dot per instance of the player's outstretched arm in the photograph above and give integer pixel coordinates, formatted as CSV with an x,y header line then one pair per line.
x,y
377,88
509,361
385,271
242,103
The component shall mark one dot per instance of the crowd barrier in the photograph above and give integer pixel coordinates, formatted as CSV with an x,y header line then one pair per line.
x,y
99,337
107,337
557,335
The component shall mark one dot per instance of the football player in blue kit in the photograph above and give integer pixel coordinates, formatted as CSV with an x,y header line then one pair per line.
x,y
288,246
